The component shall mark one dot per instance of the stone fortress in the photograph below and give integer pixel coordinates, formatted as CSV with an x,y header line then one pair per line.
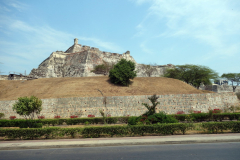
x,y
79,60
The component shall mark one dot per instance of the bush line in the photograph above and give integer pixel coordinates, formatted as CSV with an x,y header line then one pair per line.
x,y
215,127
162,129
54,132
22,123
199,117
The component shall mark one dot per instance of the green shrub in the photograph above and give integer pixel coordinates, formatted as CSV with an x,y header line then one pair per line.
x,y
132,120
236,127
1,115
180,117
152,119
53,122
27,107
37,125
7,123
28,133
210,114
110,130
151,109
163,118
73,121
69,132
164,129
29,124
170,119
123,119
199,117
122,72
111,120
103,115
215,127
139,123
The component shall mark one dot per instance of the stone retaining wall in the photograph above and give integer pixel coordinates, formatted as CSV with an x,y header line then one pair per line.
x,y
127,105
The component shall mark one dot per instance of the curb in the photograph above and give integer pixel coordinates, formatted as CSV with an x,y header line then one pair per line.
x,y
104,144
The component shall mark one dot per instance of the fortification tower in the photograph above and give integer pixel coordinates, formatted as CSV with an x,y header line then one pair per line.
x,y
75,41
75,47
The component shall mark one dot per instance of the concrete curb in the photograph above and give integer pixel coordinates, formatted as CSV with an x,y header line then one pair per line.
x,y
111,144
124,141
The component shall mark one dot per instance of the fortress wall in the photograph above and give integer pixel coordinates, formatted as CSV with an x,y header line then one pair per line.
x,y
220,88
55,64
3,77
127,105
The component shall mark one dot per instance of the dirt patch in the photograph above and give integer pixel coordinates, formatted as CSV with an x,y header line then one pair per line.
x,y
87,87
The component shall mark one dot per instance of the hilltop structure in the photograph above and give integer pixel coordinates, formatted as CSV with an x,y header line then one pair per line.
x,y
79,61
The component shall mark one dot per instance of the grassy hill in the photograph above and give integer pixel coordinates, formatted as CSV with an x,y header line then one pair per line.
x,y
88,86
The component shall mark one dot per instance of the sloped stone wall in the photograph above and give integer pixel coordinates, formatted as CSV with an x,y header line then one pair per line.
x,y
127,105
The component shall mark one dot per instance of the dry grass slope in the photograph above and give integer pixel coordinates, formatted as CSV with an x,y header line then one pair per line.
x,y
87,87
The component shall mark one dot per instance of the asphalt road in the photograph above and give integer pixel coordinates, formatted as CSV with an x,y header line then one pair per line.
x,y
205,151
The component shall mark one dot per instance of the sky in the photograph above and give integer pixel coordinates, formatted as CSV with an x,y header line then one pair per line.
x,y
178,32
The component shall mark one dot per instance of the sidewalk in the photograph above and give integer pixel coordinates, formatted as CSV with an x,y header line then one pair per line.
x,y
119,141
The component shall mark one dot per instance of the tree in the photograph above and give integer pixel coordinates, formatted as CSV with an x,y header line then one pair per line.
x,y
148,69
234,78
151,109
27,107
101,110
103,68
122,72
192,74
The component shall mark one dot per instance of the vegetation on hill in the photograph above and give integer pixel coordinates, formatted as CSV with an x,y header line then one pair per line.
x,y
234,78
103,68
192,74
122,72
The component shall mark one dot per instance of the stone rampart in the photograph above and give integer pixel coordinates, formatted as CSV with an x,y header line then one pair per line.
x,y
127,105
220,88
3,77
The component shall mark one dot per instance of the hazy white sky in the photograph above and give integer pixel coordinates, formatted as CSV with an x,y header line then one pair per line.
x,y
202,32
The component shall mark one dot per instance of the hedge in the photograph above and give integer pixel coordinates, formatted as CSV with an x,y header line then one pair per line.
x,y
163,129
215,127
199,117
21,123
52,132
68,121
